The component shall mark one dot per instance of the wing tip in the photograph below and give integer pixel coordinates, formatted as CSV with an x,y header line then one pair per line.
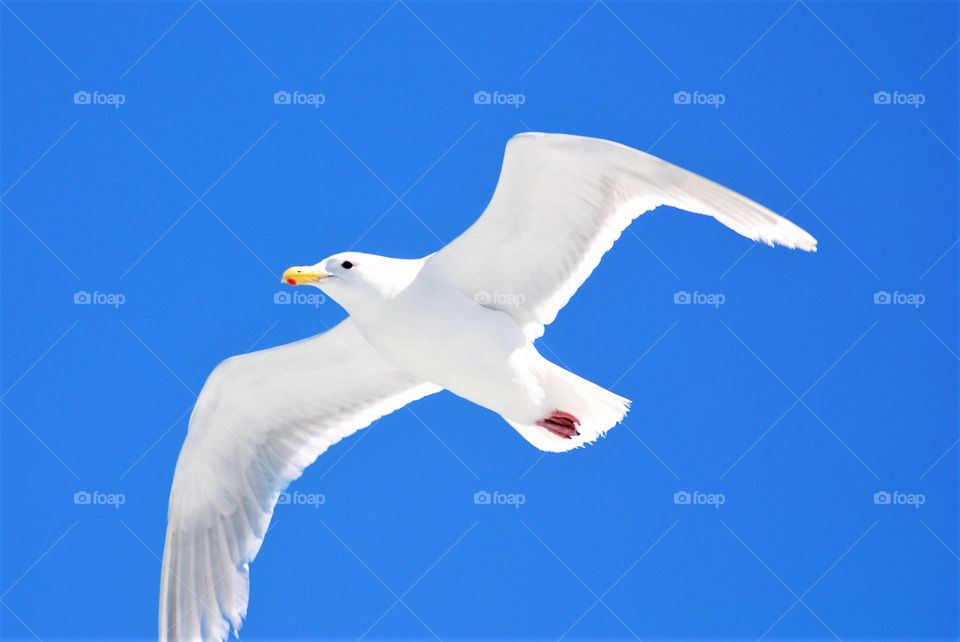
x,y
799,239
783,232
808,244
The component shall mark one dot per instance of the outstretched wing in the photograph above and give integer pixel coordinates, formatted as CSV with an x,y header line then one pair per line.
x,y
560,204
261,418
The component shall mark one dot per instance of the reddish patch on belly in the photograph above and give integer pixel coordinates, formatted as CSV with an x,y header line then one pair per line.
x,y
561,424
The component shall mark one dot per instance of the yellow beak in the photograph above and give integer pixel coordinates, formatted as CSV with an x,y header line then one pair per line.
x,y
300,275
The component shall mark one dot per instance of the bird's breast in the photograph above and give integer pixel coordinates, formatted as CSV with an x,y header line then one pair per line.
x,y
443,336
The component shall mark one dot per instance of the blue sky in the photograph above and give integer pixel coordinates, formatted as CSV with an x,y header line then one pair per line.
x,y
153,191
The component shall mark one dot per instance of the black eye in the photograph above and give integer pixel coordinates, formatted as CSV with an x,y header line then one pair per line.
x,y
346,265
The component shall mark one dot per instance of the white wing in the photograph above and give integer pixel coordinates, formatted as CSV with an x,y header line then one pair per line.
x,y
560,204
261,418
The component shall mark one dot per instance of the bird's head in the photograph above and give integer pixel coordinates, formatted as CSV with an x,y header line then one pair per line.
x,y
353,279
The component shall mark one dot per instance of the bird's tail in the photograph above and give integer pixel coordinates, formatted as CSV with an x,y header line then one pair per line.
x,y
597,409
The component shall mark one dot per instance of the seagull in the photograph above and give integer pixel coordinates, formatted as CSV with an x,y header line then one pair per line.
x,y
462,319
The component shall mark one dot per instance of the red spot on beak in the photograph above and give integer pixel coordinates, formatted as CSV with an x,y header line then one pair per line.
x,y
292,281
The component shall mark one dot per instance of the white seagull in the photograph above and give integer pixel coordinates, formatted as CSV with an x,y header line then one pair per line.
x,y
463,319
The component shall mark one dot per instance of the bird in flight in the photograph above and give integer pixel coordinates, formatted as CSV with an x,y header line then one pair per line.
x,y
463,319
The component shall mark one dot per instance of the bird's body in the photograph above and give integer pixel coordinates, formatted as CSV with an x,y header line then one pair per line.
x,y
463,319
440,335
434,331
